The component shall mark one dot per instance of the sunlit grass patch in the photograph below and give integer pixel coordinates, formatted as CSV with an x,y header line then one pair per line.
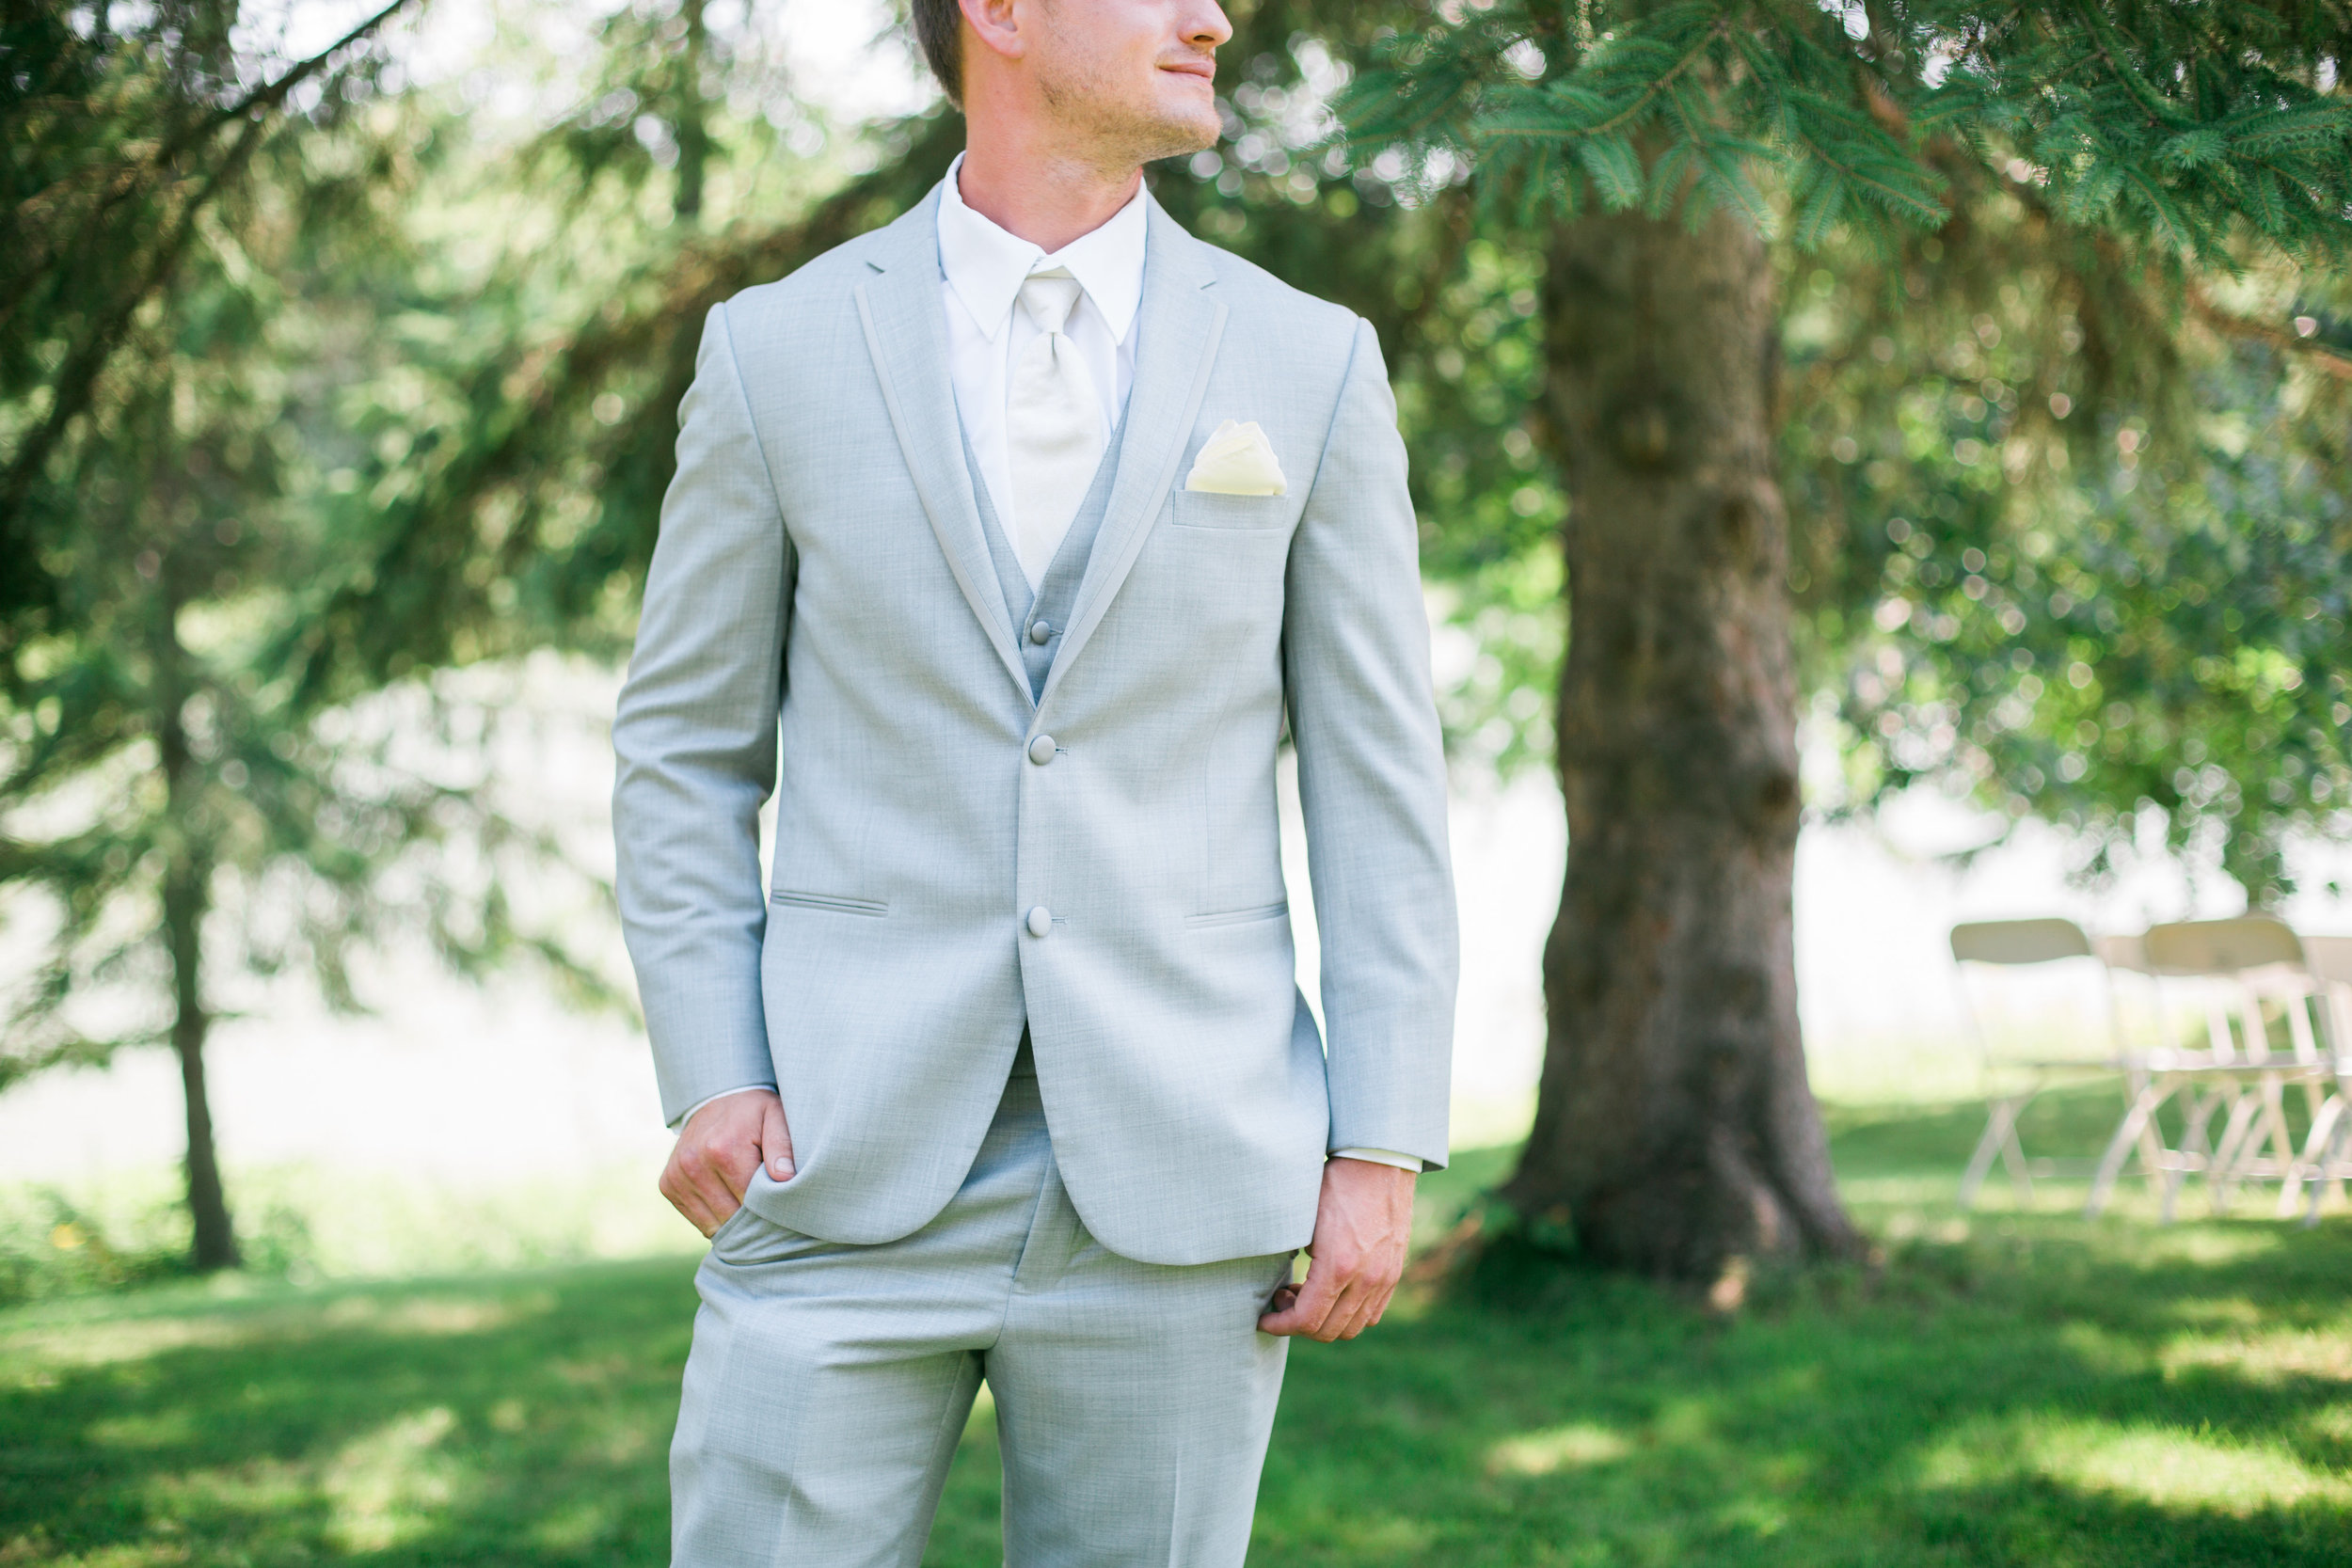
x,y
2272,1358
2324,1433
44,1342
38,1355
434,1314
1571,1447
165,1429
393,1483
2168,1468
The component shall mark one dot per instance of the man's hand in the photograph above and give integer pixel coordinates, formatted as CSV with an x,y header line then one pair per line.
x,y
1363,1222
719,1148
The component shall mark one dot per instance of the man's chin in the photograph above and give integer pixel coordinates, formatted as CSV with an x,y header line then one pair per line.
x,y
1180,130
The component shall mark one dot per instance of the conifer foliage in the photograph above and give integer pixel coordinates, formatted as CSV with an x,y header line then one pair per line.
x,y
2197,126
196,228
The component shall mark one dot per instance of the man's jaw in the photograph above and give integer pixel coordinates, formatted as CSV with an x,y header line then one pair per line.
x,y
1190,100
1176,117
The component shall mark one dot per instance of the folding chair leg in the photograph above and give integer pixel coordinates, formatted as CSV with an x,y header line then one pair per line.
x,y
2198,1111
2328,1166
2194,1146
2266,1145
1981,1161
2013,1161
2317,1146
2226,1154
2000,1137
2153,1153
2127,1133
2274,1137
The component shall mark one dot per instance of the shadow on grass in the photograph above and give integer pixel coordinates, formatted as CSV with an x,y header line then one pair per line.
x,y
2012,1388
514,1419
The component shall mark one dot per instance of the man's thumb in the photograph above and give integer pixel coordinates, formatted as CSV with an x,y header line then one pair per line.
x,y
775,1141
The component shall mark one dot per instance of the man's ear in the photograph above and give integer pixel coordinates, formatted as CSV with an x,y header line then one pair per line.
x,y
994,25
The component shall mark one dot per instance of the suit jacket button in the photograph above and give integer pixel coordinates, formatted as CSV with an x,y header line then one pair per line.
x,y
1042,750
1041,632
1041,921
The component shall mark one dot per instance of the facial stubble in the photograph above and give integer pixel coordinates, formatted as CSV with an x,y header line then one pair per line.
x,y
1116,129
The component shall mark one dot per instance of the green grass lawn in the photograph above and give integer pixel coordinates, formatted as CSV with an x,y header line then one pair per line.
x,y
2014,1387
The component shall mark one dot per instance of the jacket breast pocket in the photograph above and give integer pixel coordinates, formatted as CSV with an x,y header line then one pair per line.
x,y
1212,509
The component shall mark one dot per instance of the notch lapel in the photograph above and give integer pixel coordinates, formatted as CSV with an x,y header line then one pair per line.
x,y
1181,321
907,335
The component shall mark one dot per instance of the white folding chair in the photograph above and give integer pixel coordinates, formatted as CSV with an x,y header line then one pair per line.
x,y
2013,1081
2238,965
2328,1149
2127,953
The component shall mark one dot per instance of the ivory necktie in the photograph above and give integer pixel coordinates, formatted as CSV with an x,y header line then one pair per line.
x,y
1052,425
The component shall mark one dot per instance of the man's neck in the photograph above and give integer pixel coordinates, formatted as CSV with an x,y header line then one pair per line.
x,y
1042,194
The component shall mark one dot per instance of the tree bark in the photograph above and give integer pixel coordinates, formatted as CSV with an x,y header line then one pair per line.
x,y
1675,1130
187,878
216,1239
694,117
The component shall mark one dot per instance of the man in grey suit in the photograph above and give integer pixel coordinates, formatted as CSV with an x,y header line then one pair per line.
x,y
1027,522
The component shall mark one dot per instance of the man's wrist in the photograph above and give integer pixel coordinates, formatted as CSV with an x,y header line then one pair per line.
x,y
714,1099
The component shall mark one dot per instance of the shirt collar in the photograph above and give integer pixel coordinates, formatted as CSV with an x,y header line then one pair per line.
x,y
985,265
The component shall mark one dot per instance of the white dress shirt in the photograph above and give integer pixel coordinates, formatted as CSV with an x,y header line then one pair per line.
x,y
981,269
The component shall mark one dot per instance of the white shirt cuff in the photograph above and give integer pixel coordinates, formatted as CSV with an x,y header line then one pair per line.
x,y
1380,1157
680,1123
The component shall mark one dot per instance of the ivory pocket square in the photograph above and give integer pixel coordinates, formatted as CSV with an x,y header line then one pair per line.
x,y
1237,460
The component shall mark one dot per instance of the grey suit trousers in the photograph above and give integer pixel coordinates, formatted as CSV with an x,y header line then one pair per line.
x,y
829,1382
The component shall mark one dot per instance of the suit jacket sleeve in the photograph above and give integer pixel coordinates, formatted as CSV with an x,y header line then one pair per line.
x,y
695,739
1372,780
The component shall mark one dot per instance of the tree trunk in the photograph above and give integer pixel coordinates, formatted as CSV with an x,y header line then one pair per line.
x,y
215,1245
188,877
694,117
1674,1130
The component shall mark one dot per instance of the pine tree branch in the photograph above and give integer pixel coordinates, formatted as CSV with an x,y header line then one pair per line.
x,y
133,176
1697,51
1632,112
1904,200
2230,325
2103,35
77,378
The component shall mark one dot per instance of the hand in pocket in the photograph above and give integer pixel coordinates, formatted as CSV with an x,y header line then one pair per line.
x,y
722,1143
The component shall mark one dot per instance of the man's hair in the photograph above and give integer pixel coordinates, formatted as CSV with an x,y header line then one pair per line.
x,y
939,29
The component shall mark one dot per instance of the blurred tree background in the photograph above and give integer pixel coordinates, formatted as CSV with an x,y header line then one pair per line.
x,y
2078,183
329,390
176,202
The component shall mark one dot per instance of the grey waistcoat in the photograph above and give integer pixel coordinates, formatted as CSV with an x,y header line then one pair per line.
x,y
1050,605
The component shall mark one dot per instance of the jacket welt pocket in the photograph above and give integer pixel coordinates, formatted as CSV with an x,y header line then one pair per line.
x,y
1241,917
871,906
1215,509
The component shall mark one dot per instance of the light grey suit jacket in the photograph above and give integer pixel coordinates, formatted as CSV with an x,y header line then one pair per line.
x,y
820,563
